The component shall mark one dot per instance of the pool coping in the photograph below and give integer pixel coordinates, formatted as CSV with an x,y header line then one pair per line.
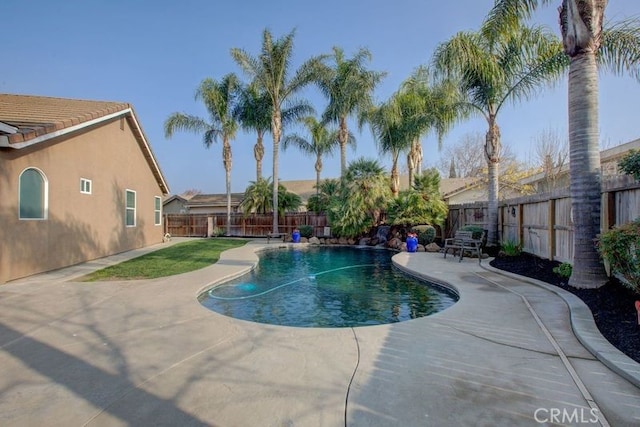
x,y
300,373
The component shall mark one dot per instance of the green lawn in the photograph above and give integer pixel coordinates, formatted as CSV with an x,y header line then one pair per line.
x,y
176,259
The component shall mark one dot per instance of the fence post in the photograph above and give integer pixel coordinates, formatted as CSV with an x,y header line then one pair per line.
x,y
551,219
520,222
608,214
209,226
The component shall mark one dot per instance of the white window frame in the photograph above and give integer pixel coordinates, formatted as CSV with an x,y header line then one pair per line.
x,y
157,210
45,195
128,209
84,183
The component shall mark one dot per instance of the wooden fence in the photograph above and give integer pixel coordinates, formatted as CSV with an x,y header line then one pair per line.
x,y
542,223
256,225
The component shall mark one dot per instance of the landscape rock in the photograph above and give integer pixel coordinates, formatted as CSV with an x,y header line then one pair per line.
x,y
314,241
432,247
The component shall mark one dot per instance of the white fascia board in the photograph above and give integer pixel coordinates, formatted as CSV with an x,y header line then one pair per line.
x,y
148,147
6,128
41,138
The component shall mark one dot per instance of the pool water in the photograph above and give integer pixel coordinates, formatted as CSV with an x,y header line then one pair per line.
x,y
317,286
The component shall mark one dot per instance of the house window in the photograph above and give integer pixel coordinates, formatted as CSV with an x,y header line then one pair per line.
x,y
130,208
85,186
157,211
33,194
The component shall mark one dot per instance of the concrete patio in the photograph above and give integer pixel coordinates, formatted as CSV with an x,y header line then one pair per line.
x,y
147,353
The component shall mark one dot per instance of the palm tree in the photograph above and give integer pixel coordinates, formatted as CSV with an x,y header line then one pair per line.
x,y
219,99
325,192
586,44
495,66
421,204
362,196
257,197
321,143
271,72
395,125
438,99
253,111
349,86
287,201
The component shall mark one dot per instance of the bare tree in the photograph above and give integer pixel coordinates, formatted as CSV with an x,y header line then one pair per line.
x,y
467,159
550,154
467,156
189,193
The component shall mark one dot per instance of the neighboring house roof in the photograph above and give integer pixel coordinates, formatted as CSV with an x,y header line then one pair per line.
x,y
170,199
452,186
26,120
610,155
304,188
214,200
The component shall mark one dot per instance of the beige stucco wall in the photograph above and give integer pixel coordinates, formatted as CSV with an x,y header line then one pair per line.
x,y
79,227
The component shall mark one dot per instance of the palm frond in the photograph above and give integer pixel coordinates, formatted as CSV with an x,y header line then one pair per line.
x,y
506,15
184,122
620,47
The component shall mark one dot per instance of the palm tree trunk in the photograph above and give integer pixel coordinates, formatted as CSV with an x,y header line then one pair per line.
x,y
258,153
343,137
411,167
395,179
318,170
581,24
588,270
276,126
492,153
226,156
414,160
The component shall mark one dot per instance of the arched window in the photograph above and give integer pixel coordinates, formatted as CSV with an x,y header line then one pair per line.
x,y
33,194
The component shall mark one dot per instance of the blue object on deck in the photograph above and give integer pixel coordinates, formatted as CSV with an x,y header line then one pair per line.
x,y
295,236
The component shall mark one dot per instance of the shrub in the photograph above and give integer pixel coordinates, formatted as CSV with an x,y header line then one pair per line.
x,y
621,248
217,232
630,164
563,270
511,248
426,234
306,231
412,207
475,229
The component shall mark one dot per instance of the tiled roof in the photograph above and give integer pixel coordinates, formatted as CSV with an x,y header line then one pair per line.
x,y
449,186
35,116
303,188
28,119
215,199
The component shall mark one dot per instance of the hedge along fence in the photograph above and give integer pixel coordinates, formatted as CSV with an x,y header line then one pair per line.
x,y
542,223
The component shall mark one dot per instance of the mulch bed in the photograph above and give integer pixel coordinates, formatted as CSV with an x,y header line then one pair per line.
x,y
612,305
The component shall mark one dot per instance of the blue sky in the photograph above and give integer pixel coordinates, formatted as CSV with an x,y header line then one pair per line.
x,y
153,54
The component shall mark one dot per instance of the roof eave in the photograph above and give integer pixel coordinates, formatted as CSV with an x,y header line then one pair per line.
x,y
61,132
4,140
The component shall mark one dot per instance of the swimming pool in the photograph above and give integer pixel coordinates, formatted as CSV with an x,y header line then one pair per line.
x,y
318,286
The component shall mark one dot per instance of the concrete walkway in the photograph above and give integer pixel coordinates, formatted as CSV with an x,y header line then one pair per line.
x,y
147,353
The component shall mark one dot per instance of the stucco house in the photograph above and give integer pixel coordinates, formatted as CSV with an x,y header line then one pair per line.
x,y
213,203
79,181
175,204
560,178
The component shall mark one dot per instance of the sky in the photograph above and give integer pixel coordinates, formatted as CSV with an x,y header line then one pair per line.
x,y
154,53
